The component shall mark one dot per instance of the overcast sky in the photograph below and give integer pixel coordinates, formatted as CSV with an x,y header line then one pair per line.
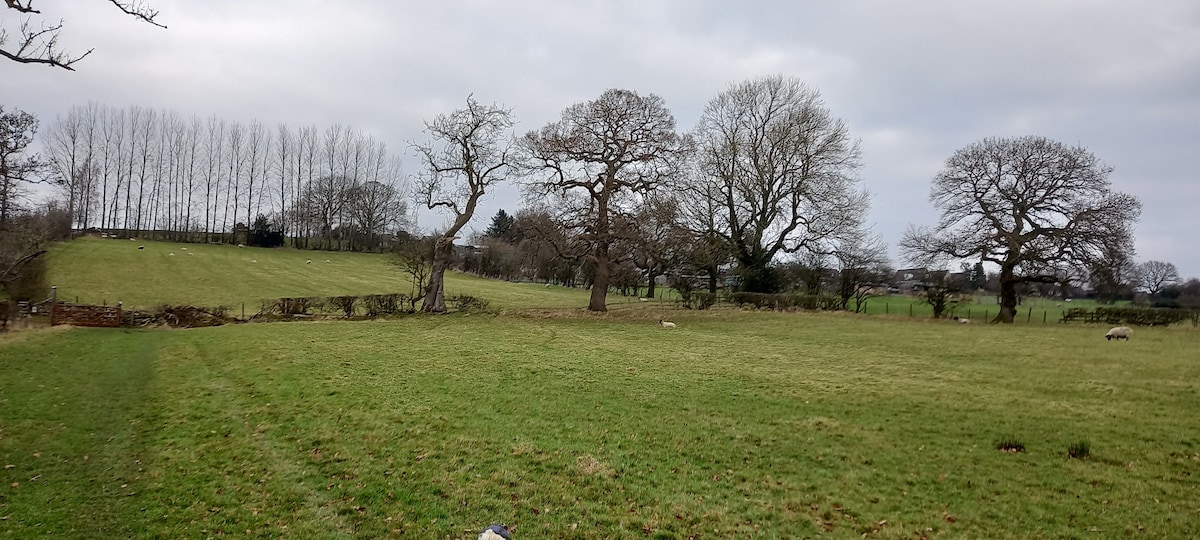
x,y
914,80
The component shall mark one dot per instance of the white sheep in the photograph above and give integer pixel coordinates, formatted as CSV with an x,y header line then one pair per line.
x,y
1119,332
328,261
495,532
172,254
190,254
141,247
241,245
666,324
308,261
643,299
253,260
961,320
183,248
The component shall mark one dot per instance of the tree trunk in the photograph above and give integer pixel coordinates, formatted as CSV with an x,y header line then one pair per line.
x,y
435,294
650,285
1008,297
600,281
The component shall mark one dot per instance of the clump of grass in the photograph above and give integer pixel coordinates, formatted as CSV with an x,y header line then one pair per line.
x,y
1010,444
1080,449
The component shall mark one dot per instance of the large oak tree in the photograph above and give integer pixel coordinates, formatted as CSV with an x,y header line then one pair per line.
x,y
598,161
1038,209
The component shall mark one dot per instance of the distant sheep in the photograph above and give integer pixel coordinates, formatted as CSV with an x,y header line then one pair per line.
x,y
495,532
643,299
141,247
328,261
1120,332
308,261
666,324
172,254
253,260
183,248
241,245
961,320
190,254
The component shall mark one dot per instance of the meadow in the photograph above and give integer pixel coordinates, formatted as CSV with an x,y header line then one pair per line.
x,y
567,424
96,271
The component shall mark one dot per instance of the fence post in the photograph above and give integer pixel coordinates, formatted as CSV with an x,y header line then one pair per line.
x,y
910,310
1043,316
1029,317
53,300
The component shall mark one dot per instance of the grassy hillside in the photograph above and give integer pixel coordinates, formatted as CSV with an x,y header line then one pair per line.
x,y
600,426
107,271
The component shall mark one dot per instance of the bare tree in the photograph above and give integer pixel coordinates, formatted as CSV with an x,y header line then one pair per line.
x,y
64,143
1154,276
1038,209
599,159
17,130
861,265
470,151
38,44
781,169
661,242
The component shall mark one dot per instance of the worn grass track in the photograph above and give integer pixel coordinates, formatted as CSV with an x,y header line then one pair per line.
x,y
573,425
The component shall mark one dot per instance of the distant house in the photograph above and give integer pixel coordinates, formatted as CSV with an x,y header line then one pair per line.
x,y
910,279
919,279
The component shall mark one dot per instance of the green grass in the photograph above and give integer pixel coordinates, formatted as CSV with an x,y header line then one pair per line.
x,y
574,425
95,271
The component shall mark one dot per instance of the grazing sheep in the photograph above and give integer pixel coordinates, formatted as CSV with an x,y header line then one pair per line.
x,y
328,261
1120,332
172,254
308,261
547,284
643,299
190,254
253,260
495,532
961,320
666,324
141,247
183,248
241,245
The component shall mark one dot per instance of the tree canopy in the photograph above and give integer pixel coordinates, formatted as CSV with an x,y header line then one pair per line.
x,y
1038,209
781,171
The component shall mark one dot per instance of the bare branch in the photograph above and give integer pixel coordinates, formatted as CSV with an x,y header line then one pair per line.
x,y
41,46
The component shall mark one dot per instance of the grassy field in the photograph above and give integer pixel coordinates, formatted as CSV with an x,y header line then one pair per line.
x,y
95,271
571,425
99,271
566,424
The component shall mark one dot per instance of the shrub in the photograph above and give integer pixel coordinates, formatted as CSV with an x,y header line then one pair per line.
x,y
383,304
345,304
705,300
1079,449
1010,444
468,303
296,306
